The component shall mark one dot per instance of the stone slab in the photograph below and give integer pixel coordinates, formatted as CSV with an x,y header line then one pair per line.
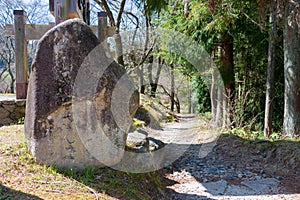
x,y
215,188
234,190
262,186
70,120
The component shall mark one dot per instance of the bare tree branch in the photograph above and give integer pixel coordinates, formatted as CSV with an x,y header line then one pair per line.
x,y
122,5
104,5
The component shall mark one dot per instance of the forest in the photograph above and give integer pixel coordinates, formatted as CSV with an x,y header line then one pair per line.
x,y
253,48
251,42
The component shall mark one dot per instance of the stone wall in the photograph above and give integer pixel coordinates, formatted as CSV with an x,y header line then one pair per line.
x,y
11,111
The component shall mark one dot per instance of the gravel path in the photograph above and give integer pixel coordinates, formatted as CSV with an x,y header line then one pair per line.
x,y
203,172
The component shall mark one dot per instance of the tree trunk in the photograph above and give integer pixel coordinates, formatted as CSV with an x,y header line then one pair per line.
x,y
190,100
150,77
226,111
141,77
172,88
271,70
214,93
88,13
119,48
12,82
155,84
291,124
219,109
84,5
186,8
177,103
227,73
220,94
115,23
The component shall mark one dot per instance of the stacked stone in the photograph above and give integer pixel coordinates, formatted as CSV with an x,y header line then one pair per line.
x,y
12,111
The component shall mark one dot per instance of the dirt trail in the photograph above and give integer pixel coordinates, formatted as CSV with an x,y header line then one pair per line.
x,y
212,167
226,168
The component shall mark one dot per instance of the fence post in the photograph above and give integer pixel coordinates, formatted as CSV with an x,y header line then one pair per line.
x,y
65,8
61,10
57,11
20,54
88,12
102,26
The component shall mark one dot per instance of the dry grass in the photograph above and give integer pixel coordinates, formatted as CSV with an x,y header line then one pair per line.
x,y
22,178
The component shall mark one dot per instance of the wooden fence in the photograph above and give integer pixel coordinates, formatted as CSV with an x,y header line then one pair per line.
x,y
24,32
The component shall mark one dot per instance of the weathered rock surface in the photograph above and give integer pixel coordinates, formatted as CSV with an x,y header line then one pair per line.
x,y
267,185
138,141
71,126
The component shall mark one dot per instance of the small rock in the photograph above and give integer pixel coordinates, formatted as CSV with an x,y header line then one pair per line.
x,y
257,177
264,175
263,155
142,149
229,176
136,139
216,188
155,144
262,186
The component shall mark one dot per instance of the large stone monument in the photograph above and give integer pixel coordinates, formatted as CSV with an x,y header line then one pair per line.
x,y
77,127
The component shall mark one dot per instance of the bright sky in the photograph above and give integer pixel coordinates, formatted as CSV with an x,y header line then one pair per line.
x,y
28,1
129,6
51,18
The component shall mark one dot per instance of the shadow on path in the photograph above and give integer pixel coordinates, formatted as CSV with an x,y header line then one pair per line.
x,y
234,167
7,193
